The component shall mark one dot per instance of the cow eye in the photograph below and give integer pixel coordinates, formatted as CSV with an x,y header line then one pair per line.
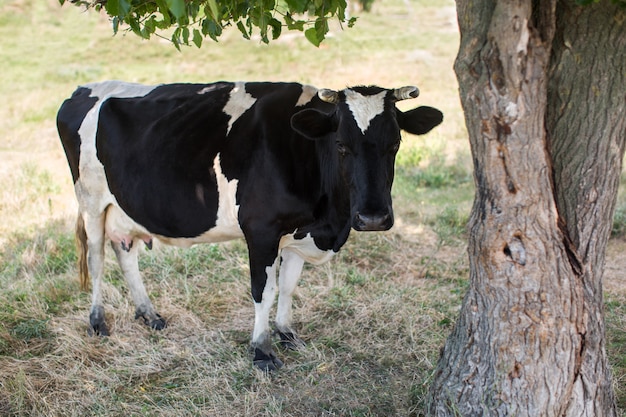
x,y
342,149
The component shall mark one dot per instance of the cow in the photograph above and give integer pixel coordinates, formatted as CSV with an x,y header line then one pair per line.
x,y
288,167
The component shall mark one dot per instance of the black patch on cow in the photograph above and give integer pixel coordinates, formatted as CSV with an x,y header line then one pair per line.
x,y
69,118
158,154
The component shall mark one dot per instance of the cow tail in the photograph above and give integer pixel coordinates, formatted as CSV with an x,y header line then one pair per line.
x,y
81,247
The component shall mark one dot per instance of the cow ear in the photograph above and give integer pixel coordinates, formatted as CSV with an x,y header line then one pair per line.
x,y
313,124
420,120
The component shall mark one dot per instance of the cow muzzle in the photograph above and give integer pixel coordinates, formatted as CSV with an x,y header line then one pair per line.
x,y
372,222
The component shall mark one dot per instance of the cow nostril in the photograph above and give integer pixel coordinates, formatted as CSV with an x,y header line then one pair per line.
x,y
365,222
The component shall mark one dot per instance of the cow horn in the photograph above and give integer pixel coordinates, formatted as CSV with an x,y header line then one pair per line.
x,y
329,96
404,93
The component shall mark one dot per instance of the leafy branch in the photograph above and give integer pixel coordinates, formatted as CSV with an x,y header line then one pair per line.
x,y
194,20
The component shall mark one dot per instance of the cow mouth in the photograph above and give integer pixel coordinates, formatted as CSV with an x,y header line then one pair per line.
x,y
372,222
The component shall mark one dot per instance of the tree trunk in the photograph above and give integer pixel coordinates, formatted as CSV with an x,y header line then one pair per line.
x,y
587,133
530,337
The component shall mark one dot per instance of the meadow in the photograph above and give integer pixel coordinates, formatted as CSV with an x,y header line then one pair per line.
x,y
374,318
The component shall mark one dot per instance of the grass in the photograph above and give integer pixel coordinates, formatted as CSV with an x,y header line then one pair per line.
x,y
374,319
616,331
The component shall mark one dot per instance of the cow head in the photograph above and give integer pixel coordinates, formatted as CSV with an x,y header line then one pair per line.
x,y
364,129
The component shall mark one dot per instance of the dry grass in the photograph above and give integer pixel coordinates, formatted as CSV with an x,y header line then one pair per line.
x,y
372,332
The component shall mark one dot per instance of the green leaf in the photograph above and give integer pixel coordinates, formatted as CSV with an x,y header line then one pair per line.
x,y
311,35
176,38
294,24
341,9
118,8
243,30
297,6
264,21
277,28
112,7
321,28
116,24
193,9
134,26
162,5
214,9
177,7
148,27
197,38
209,27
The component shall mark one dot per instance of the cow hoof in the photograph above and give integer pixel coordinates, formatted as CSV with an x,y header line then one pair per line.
x,y
266,362
98,325
290,341
98,330
157,323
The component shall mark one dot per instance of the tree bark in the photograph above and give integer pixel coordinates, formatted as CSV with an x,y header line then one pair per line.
x,y
530,337
587,134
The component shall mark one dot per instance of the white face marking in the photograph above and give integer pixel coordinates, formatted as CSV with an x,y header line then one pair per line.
x,y
239,102
365,108
308,92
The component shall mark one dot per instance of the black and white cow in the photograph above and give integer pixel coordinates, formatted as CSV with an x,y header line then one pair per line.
x,y
290,168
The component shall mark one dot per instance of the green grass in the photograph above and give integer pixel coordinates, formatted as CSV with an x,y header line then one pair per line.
x,y
374,319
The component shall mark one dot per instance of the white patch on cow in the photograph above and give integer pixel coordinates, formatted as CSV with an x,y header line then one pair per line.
x,y
306,249
208,89
262,309
239,102
365,108
227,224
308,92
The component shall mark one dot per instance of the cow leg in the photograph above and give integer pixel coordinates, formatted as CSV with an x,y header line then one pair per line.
x,y
127,257
263,264
94,228
264,356
290,270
